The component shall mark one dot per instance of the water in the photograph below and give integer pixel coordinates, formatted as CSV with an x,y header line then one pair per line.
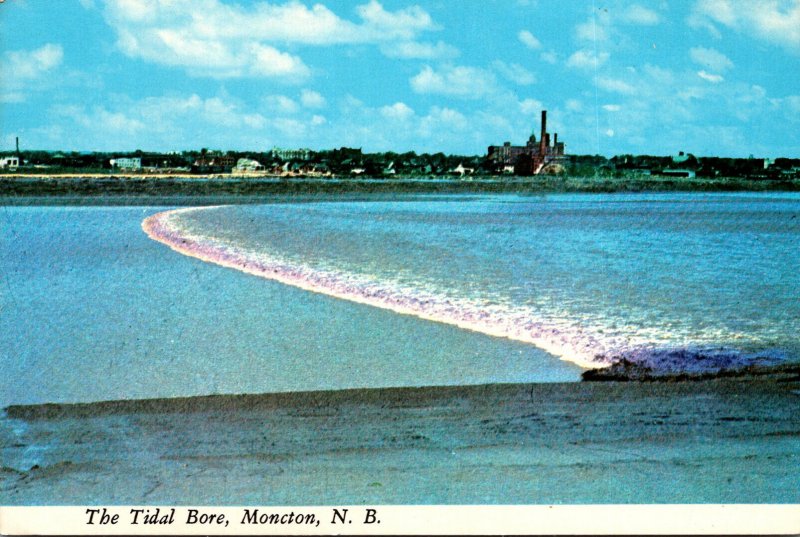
x,y
664,279
93,309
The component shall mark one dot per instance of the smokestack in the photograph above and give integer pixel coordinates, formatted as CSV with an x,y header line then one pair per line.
x,y
543,139
544,122
17,145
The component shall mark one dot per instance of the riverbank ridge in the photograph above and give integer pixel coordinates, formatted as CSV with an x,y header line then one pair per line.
x,y
140,185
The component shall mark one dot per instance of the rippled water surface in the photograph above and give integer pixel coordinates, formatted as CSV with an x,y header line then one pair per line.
x,y
605,272
93,309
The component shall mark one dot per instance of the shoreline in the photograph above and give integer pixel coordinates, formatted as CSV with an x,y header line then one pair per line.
x,y
403,396
718,441
143,187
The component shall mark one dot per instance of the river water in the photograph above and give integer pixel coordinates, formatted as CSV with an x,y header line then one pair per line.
x,y
410,292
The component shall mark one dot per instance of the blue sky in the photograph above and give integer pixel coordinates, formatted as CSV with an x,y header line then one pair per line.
x,y
710,77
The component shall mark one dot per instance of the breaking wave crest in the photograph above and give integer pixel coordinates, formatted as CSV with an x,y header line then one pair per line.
x,y
565,339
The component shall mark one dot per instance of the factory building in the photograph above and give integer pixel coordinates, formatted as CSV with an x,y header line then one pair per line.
x,y
528,159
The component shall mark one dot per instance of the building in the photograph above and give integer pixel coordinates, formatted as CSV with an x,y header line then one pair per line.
x,y
11,163
290,154
528,159
681,165
134,163
246,165
214,163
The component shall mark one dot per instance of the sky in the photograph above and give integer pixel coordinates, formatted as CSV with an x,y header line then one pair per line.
x,y
708,77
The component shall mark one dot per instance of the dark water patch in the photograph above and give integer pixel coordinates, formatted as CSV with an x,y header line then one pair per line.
x,y
679,364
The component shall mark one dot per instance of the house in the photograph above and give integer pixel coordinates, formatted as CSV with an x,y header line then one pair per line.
x,y
11,163
461,170
290,154
134,163
246,165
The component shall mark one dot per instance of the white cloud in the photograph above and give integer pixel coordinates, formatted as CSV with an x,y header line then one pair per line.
x,y
531,106
291,128
403,24
714,79
573,105
659,75
441,120
24,70
615,85
514,72
637,14
280,104
399,111
270,62
654,102
214,58
184,121
410,50
101,119
549,57
773,21
9,97
229,39
455,81
529,40
311,99
254,121
21,65
710,58
593,30
135,10
586,59
793,103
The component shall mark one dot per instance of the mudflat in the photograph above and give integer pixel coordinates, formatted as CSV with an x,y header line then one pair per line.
x,y
711,441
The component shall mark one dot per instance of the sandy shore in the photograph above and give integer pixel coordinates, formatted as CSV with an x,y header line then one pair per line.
x,y
721,441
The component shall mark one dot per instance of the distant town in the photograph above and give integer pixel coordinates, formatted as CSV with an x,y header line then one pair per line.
x,y
543,157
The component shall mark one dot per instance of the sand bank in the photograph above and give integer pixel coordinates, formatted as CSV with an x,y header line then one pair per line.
x,y
719,441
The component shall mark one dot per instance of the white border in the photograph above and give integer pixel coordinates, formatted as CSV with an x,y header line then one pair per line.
x,y
422,520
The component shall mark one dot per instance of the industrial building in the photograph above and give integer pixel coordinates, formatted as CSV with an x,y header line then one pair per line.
x,y
528,159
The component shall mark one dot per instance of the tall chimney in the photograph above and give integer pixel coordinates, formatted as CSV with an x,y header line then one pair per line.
x,y
17,145
544,122
543,139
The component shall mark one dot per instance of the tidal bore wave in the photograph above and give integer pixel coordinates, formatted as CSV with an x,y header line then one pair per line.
x,y
566,340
